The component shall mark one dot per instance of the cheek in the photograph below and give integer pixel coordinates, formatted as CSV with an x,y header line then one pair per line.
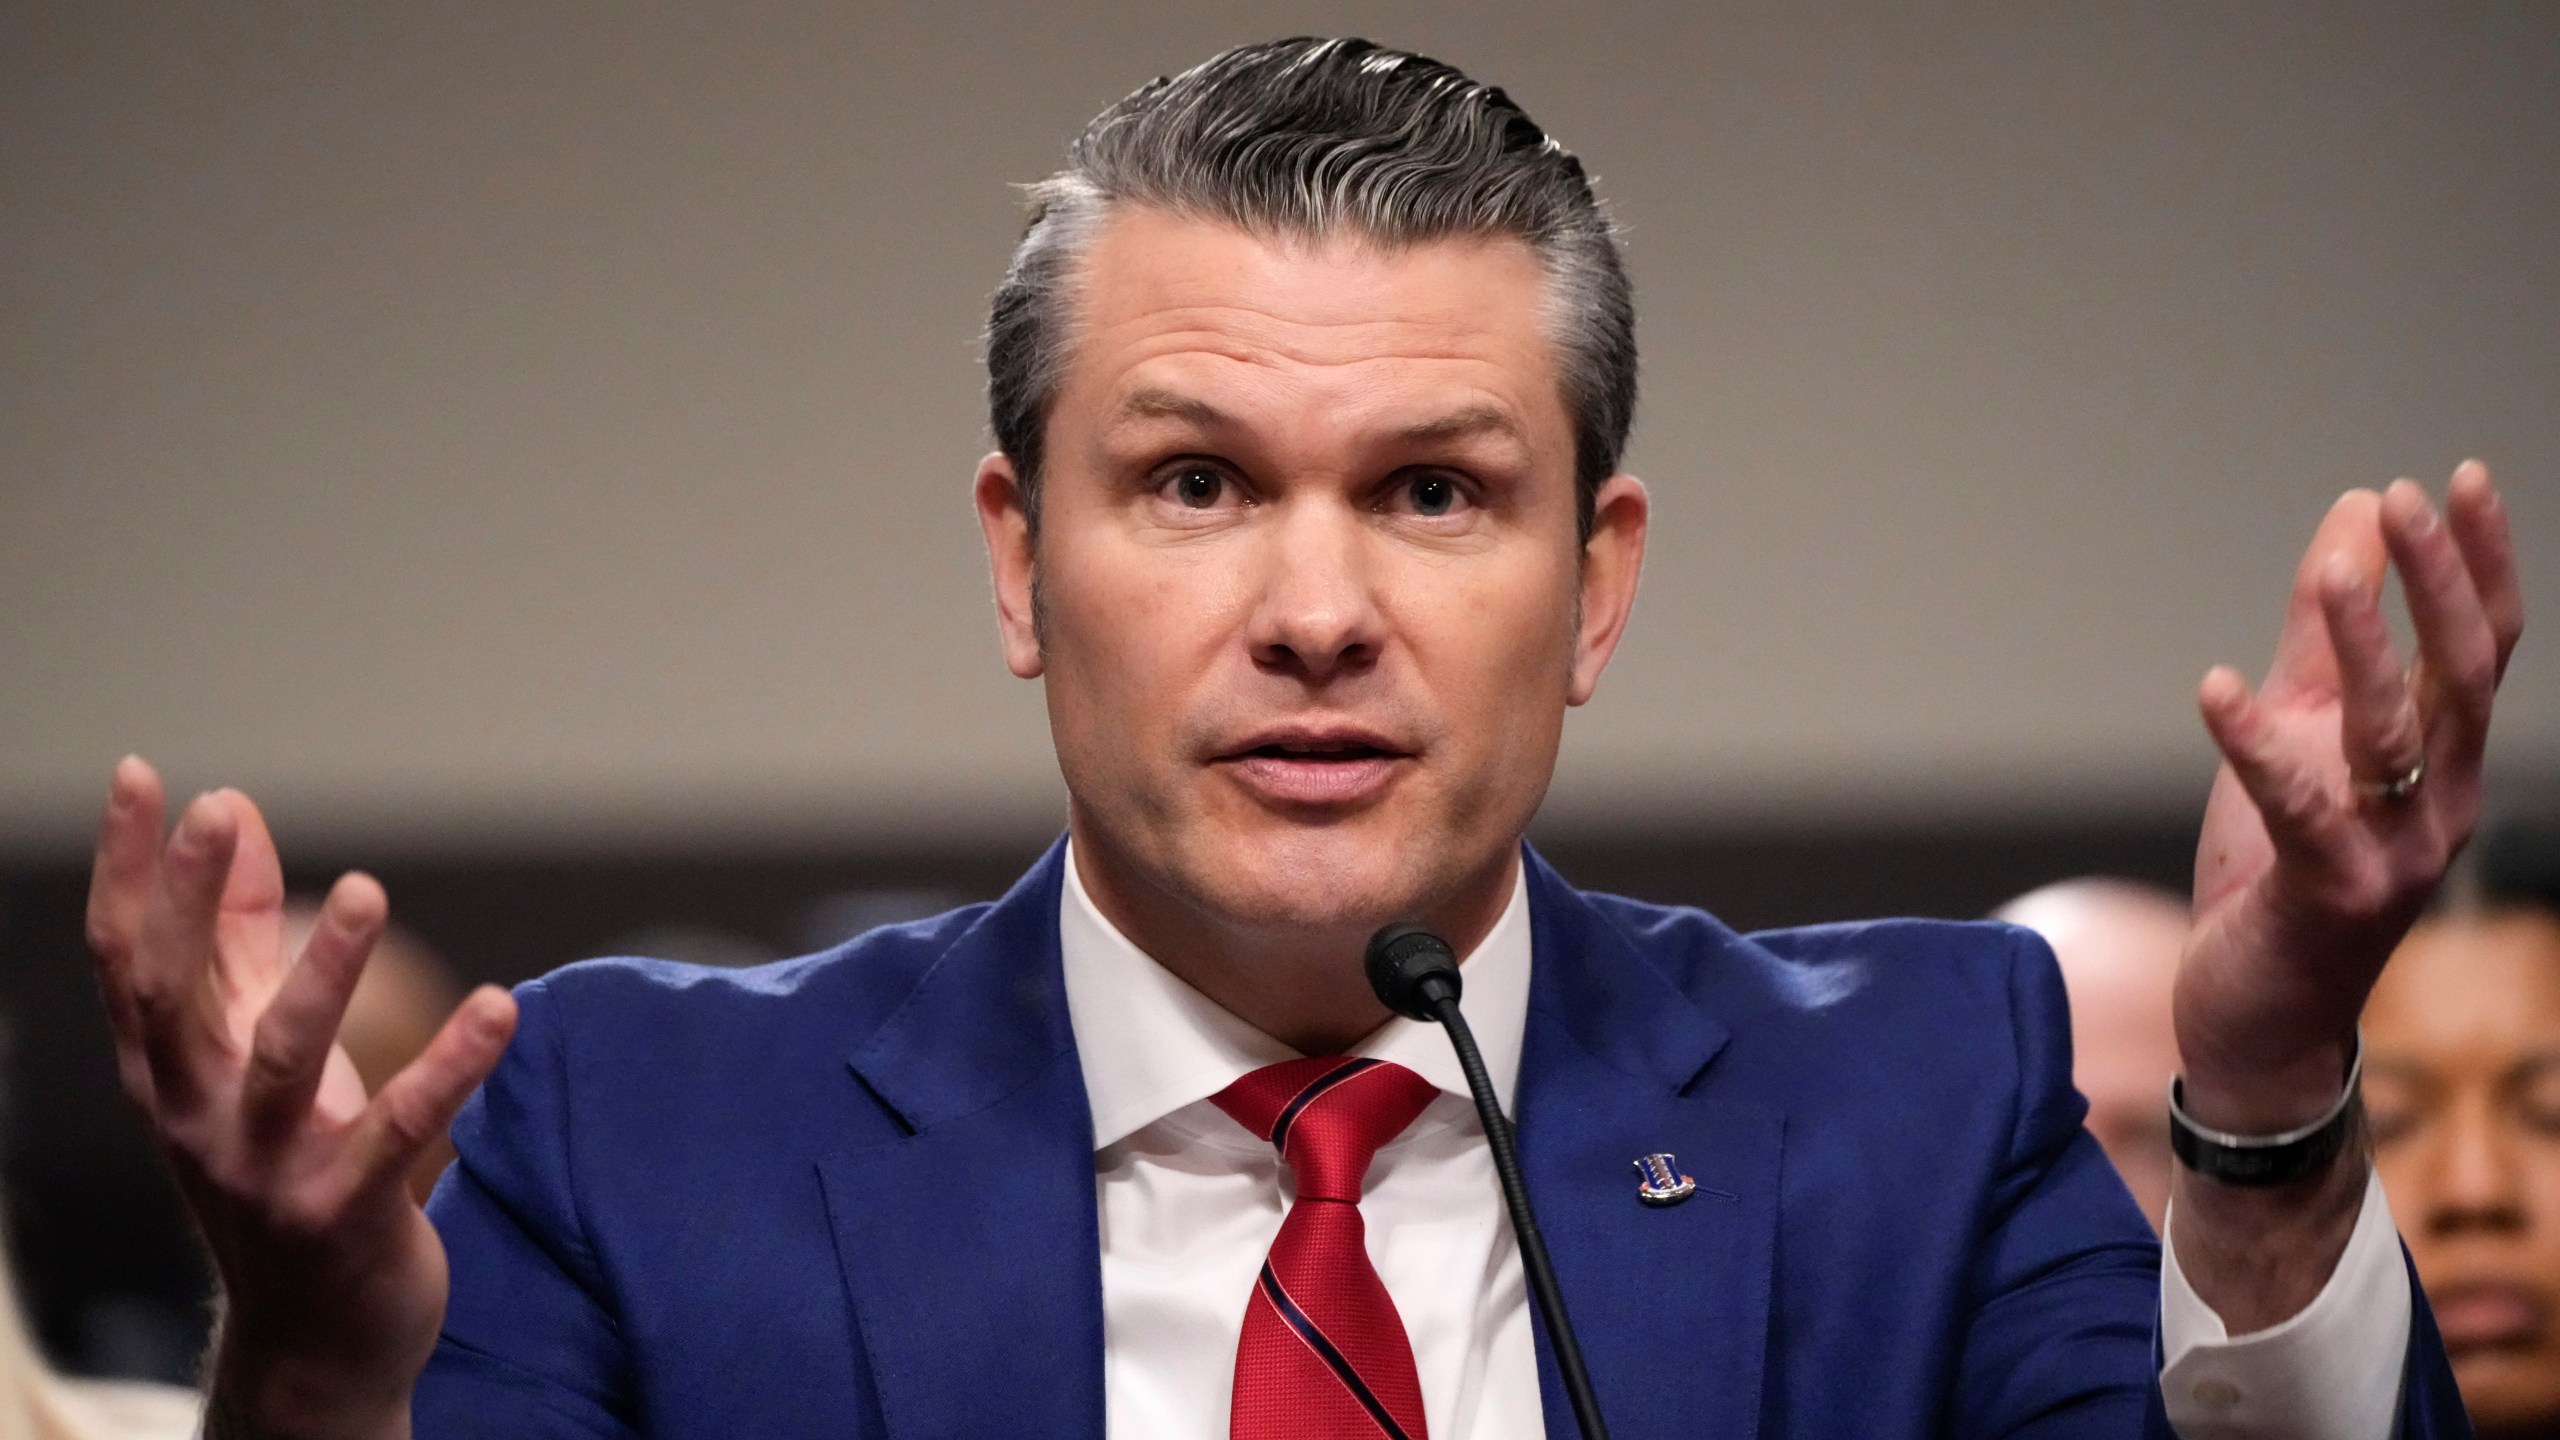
x,y
1492,649
1130,635
2540,1178
2404,1176
1513,638
2409,1166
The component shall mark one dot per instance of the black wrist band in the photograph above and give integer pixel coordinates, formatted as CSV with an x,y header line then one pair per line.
x,y
2267,1159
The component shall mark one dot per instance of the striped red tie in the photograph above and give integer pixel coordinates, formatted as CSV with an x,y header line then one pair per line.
x,y
1324,1355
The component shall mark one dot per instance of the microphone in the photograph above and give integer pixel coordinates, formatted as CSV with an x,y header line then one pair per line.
x,y
1416,975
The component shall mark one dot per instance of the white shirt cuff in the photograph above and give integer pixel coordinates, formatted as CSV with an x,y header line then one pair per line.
x,y
2331,1372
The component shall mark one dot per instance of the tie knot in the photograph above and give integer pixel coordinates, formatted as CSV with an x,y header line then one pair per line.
x,y
1327,1116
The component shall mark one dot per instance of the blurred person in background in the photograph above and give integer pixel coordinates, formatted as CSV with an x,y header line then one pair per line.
x,y
37,1404
2118,941
2462,1083
399,1003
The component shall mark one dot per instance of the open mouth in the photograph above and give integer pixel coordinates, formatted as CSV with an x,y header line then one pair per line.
x,y
1322,751
1317,769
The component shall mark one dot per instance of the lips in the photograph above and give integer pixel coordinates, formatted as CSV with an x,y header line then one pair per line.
x,y
1326,766
2476,1317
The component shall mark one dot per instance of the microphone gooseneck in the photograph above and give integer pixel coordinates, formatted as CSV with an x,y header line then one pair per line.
x,y
1415,974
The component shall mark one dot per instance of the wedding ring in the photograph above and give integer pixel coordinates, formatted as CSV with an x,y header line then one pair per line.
x,y
2396,789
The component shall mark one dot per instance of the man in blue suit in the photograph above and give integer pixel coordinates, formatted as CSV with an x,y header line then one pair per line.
x,y
1310,379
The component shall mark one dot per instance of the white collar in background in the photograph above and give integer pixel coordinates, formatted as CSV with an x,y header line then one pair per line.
x,y
1151,1045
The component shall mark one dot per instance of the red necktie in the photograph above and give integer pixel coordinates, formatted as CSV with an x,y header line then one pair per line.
x,y
1324,1356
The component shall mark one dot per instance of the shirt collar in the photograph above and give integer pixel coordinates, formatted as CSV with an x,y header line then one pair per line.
x,y
1151,1045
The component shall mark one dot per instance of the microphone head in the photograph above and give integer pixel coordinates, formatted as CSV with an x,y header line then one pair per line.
x,y
1411,969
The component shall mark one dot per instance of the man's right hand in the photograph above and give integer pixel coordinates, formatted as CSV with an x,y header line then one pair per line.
x,y
333,1280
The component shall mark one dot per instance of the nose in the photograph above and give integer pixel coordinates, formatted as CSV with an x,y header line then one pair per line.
x,y
1316,616
2475,1185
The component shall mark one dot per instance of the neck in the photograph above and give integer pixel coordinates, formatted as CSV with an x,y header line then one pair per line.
x,y
1301,982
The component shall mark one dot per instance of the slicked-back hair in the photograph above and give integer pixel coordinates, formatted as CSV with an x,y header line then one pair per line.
x,y
1313,139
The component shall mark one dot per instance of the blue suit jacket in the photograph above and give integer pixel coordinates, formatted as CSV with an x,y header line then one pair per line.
x,y
853,1194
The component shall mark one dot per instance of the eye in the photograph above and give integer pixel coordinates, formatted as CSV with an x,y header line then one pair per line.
x,y
1197,486
2538,1100
2389,1123
1432,493
2393,1108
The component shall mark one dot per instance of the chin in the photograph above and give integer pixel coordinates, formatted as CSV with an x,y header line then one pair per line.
x,y
1321,878
2510,1393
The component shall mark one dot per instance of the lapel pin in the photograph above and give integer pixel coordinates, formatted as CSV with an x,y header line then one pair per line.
x,y
1663,1184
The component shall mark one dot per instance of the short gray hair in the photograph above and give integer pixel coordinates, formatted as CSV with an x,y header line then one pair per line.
x,y
1311,138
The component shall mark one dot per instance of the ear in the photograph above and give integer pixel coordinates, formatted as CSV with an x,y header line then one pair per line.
x,y
1611,561
1007,524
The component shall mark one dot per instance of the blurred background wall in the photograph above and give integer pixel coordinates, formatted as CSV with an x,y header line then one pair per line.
x,y
526,445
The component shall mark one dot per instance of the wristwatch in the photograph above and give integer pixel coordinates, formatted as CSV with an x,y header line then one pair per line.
x,y
2268,1159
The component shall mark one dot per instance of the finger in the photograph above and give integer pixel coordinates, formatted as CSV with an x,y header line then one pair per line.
x,y
293,1036
2378,725
2294,800
126,861
172,1001
2457,651
252,920
2478,519
419,1103
2350,534
121,876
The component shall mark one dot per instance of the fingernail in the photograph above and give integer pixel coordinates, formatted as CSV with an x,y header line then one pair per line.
x,y
196,823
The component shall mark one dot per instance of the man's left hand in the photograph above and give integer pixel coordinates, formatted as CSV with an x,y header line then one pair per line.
x,y
2350,782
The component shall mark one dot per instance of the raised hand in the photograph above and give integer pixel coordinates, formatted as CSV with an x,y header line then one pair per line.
x,y
2350,782
333,1280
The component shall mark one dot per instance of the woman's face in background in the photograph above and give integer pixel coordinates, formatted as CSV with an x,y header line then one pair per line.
x,y
2462,1079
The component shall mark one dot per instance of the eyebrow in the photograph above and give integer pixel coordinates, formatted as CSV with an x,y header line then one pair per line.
x,y
1169,405
1459,424
2530,1065
1463,424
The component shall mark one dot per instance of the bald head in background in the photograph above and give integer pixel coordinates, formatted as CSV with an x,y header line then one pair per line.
x,y
2119,943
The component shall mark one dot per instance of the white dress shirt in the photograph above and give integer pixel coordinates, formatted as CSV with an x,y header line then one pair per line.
x,y
1190,1202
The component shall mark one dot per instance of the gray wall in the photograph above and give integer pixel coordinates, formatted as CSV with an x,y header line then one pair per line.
x,y
483,420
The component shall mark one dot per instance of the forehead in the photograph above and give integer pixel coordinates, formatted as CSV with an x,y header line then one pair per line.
x,y
1170,303
2471,985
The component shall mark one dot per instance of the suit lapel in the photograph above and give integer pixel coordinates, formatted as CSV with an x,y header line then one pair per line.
x,y
1671,1304
971,1252
970,1247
